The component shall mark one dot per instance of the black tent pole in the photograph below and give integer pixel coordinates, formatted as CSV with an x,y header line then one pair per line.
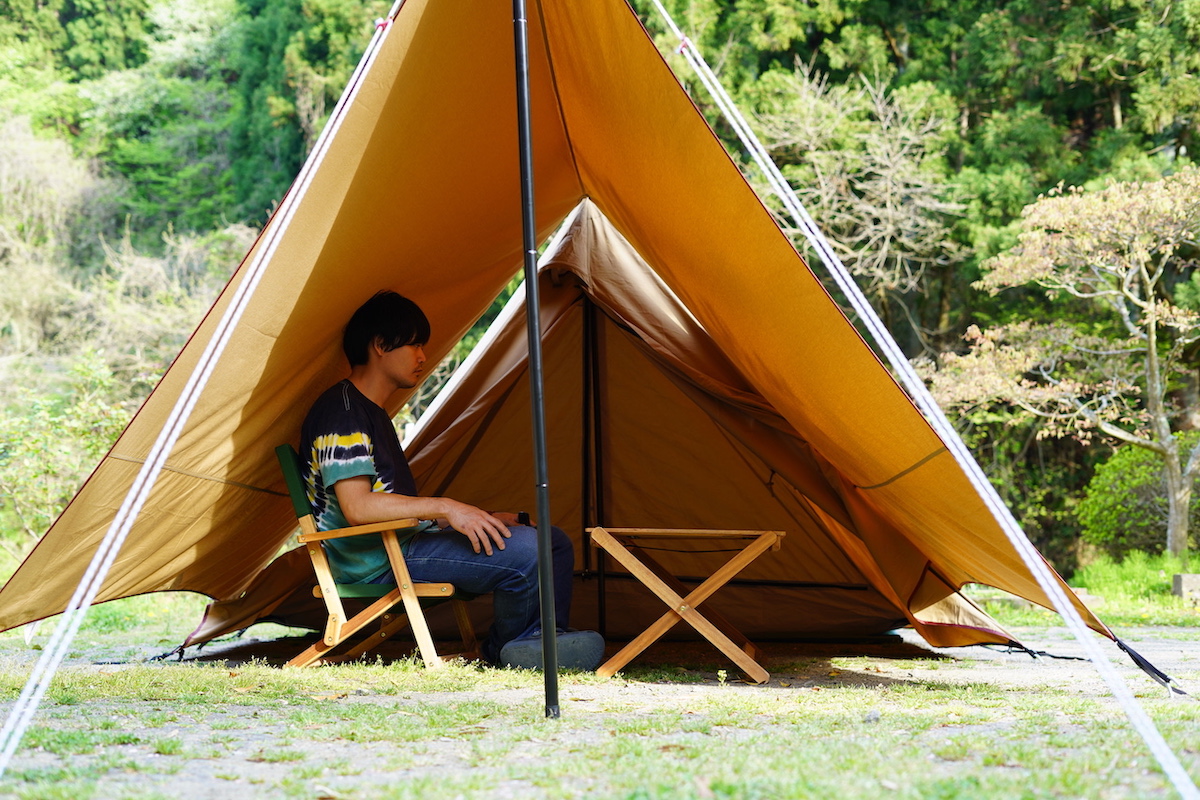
x,y
537,387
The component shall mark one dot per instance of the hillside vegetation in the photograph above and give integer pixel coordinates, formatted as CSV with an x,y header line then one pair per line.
x,y
144,142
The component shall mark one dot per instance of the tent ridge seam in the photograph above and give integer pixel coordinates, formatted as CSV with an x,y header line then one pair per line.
x,y
558,96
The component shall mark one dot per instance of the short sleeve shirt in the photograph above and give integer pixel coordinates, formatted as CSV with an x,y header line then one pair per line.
x,y
345,435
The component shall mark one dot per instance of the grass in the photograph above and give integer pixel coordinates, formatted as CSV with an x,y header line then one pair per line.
x,y
1133,592
828,726
831,733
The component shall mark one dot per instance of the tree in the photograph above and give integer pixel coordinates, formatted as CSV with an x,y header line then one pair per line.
x,y
870,164
164,126
103,35
291,59
1116,256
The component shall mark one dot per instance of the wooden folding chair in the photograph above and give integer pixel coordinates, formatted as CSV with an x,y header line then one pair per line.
x,y
394,606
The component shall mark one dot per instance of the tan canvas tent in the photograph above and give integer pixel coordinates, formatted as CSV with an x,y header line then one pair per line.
x,y
698,374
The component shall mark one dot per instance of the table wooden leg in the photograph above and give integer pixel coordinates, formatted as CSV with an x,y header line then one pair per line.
x,y
714,616
683,607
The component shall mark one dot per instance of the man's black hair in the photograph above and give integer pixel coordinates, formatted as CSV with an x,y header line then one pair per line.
x,y
392,318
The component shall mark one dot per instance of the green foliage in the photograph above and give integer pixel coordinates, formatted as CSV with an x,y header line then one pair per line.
x,y
1187,292
163,127
1138,575
167,137
267,141
291,59
103,35
1125,508
50,441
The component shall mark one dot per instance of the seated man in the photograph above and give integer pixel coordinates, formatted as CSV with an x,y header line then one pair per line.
x,y
356,473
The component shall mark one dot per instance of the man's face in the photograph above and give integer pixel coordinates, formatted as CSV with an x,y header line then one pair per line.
x,y
404,365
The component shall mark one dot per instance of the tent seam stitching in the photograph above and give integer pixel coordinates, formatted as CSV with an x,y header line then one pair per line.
x,y
558,96
913,468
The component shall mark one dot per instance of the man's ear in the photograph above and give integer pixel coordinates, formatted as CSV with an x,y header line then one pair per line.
x,y
377,347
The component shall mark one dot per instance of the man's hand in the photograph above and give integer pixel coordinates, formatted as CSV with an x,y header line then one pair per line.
x,y
360,506
483,529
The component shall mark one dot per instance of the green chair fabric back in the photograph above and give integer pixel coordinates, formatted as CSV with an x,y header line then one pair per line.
x,y
289,462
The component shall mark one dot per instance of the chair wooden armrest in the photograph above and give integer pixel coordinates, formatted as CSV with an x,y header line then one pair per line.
x,y
357,530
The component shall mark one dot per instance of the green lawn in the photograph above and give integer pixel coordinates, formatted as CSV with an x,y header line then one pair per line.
x,y
900,722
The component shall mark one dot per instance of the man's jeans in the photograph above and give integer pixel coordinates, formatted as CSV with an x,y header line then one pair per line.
x,y
510,575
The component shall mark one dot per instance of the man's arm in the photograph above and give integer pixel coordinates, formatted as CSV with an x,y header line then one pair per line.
x,y
361,506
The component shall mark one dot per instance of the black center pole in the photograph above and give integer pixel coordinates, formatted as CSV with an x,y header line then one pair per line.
x,y
537,388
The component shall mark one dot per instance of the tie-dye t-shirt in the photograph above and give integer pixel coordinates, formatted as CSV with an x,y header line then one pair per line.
x,y
345,435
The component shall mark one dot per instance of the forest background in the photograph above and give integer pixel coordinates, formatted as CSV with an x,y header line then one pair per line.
x,y
144,142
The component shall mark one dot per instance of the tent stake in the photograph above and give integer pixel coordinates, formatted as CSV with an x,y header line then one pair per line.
x,y
537,387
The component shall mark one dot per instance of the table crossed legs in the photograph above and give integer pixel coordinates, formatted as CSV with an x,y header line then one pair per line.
x,y
621,544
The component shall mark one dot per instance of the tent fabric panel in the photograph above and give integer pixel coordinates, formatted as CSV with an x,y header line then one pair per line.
x,y
667,184
963,555
625,286
618,279
686,209
936,602
666,464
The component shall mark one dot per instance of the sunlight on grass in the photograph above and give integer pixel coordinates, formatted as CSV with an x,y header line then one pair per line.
x,y
827,727
1135,591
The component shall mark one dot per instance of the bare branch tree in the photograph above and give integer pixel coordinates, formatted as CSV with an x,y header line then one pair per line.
x,y
869,162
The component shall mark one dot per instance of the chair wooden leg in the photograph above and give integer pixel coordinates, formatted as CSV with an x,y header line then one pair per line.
x,y
412,604
391,625
465,629
351,627
311,655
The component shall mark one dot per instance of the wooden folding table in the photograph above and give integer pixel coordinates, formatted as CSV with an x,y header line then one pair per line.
x,y
622,544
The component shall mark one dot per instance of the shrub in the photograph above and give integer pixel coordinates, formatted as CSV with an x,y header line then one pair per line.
x,y
1138,575
1125,508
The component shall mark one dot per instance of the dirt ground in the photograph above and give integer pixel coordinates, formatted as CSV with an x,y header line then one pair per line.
x,y
1059,664
246,769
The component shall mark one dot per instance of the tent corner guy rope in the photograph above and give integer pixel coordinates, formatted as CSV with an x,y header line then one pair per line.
x,y
21,714
936,418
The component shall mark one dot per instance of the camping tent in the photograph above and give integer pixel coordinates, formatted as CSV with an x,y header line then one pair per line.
x,y
700,373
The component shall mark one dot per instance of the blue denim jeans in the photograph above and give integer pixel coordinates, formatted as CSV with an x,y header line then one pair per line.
x,y
510,575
